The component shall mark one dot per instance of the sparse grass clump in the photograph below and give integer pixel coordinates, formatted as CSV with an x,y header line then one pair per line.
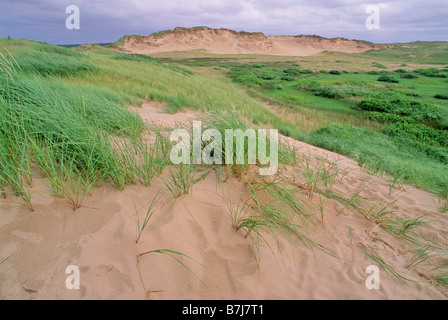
x,y
379,65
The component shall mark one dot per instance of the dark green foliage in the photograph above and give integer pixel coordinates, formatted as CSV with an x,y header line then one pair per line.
x,y
326,92
400,71
266,76
379,65
414,162
441,96
292,71
373,72
306,71
247,78
146,58
431,72
388,78
257,66
418,133
403,106
49,64
408,76
335,72
382,117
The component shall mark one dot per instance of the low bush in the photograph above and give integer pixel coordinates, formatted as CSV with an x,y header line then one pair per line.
x,y
53,64
418,133
247,78
379,65
292,71
388,78
441,96
403,106
335,72
266,76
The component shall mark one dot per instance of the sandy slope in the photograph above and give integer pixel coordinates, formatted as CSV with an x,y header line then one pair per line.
x,y
100,239
226,41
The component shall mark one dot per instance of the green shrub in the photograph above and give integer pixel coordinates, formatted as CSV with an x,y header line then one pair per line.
x,y
257,66
403,106
306,71
292,72
335,72
441,96
415,163
388,117
59,50
400,71
379,65
431,72
418,133
287,78
247,78
373,72
388,78
408,76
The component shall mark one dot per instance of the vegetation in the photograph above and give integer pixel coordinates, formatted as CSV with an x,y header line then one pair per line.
x,y
63,117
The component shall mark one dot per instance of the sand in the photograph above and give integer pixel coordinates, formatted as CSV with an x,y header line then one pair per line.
x,y
100,238
225,41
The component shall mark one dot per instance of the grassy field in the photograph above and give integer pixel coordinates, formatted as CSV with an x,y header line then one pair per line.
x,y
386,108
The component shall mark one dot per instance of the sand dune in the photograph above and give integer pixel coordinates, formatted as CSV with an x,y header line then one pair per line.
x,y
100,238
225,41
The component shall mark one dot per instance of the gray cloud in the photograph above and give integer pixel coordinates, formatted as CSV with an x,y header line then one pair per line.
x,y
108,20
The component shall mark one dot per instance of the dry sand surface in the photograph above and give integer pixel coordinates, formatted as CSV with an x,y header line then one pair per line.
x,y
224,41
100,238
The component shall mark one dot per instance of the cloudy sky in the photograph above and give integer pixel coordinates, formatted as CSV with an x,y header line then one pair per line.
x,y
108,20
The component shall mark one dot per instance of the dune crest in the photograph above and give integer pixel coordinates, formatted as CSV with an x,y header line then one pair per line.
x,y
225,41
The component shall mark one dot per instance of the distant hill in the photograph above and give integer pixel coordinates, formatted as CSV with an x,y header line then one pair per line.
x,y
226,41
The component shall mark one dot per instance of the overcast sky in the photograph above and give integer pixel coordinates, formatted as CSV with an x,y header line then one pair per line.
x,y
108,20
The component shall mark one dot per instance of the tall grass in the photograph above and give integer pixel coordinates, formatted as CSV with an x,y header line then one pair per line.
x,y
67,130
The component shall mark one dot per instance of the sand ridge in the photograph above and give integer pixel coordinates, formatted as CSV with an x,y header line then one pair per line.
x,y
225,41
